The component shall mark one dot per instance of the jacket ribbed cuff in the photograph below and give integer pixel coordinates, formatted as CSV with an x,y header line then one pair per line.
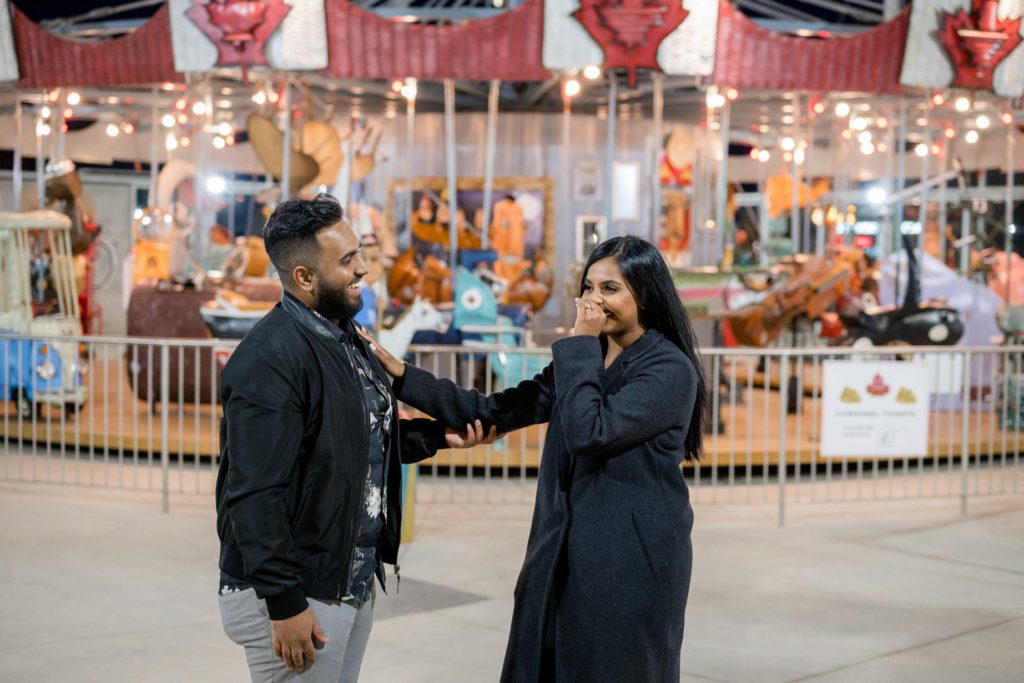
x,y
287,604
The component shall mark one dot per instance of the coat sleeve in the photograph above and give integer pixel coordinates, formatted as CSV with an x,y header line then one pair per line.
x,y
657,396
265,422
420,438
525,404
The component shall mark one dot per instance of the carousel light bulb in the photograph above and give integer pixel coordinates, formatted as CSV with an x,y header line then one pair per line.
x,y
396,85
971,137
1007,118
859,123
818,108
409,90
882,122
921,150
571,88
962,104
798,156
881,147
592,72
787,157
199,108
216,184
170,142
74,98
68,113
42,129
259,97
219,142
185,141
938,98
864,136
180,104
788,144
230,140
732,94
949,133
183,118
876,195
112,130
847,134
714,99
982,122
763,155
867,148
936,149
45,112
167,120
842,109
273,96
128,128
225,129
754,151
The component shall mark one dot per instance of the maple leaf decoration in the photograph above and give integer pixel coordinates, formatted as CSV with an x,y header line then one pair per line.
x,y
630,31
978,42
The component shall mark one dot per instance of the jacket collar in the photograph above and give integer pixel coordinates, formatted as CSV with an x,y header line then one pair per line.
x,y
315,322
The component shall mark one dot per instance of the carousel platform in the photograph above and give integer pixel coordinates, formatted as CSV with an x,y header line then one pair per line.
x,y
113,420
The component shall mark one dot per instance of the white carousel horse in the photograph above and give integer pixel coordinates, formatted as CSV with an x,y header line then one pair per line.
x,y
421,315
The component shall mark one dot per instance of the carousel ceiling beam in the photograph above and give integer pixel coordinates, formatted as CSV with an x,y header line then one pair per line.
x,y
439,13
791,26
536,92
849,10
60,25
775,9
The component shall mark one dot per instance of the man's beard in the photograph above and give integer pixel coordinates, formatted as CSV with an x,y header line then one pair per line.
x,y
333,303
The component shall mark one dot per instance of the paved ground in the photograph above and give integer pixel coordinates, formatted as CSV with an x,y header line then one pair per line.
x,y
96,587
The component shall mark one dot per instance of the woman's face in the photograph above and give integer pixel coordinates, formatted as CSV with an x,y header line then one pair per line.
x,y
605,286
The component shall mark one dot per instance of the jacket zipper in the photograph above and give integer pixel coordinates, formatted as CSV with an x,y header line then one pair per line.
x,y
363,449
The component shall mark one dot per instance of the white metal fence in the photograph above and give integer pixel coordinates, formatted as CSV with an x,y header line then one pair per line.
x,y
150,422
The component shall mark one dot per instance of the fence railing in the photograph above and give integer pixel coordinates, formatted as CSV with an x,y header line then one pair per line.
x,y
143,415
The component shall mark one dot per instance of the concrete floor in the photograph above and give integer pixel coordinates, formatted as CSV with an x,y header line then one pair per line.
x,y
98,587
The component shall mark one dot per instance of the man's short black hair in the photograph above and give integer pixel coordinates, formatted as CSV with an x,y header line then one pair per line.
x,y
290,232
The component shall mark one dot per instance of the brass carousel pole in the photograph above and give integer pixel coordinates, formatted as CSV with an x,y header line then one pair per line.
x,y
449,148
489,152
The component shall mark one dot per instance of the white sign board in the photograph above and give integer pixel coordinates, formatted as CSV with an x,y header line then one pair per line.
x,y
299,43
688,51
874,409
8,57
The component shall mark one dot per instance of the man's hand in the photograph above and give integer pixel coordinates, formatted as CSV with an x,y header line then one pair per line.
x,y
392,365
473,436
295,638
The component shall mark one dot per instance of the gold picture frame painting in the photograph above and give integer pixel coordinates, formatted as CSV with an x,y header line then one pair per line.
x,y
535,195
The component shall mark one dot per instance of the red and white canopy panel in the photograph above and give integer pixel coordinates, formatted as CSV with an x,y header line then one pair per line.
x,y
966,44
8,59
677,38
283,35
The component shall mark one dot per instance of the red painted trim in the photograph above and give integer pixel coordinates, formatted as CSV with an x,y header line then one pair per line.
x,y
47,61
506,47
753,57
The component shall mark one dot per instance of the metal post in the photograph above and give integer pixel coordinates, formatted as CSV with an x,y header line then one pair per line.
x,y
40,168
885,239
165,453
795,227
17,180
58,134
901,171
1011,141
965,230
658,80
286,163
783,403
566,187
722,182
154,147
489,152
449,148
410,139
613,112
943,214
965,425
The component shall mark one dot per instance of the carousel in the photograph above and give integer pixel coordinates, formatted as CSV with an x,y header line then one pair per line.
x,y
846,185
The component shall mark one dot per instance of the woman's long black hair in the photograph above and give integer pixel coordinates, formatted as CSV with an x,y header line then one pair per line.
x,y
660,309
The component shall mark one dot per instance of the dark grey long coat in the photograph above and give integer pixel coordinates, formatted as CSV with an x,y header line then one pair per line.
x,y
607,567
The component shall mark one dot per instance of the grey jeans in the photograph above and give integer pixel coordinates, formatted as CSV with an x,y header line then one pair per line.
x,y
247,622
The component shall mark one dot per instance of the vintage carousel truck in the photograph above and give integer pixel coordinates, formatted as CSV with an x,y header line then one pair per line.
x,y
38,299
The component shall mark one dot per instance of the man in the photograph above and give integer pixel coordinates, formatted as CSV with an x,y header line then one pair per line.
x,y
309,487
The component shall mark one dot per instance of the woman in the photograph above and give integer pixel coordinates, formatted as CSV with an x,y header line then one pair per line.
x,y
602,592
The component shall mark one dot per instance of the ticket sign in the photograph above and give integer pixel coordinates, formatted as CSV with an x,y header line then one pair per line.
x,y
874,409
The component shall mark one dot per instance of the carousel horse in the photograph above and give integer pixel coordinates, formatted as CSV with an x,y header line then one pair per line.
x,y
416,275
420,315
